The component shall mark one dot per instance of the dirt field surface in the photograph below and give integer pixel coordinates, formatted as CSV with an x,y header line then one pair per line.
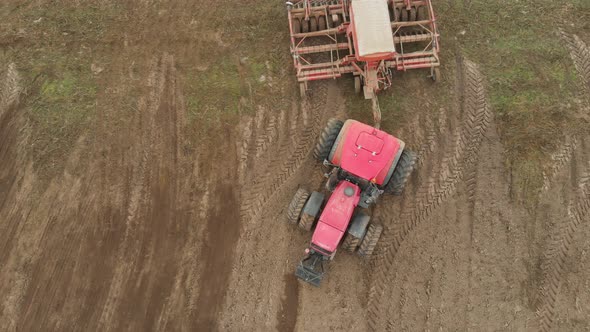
x,y
149,150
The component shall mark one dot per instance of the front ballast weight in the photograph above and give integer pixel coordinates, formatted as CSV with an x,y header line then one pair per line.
x,y
311,269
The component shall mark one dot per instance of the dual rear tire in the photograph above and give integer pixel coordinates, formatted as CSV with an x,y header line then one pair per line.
x,y
402,172
327,139
367,246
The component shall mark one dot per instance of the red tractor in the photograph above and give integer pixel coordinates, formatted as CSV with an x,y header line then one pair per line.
x,y
369,39
364,163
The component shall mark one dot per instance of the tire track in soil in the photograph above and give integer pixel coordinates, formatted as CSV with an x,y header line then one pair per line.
x,y
155,210
9,97
553,261
287,314
433,192
554,267
580,55
15,186
559,159
270,156
223,227
132,243
287,160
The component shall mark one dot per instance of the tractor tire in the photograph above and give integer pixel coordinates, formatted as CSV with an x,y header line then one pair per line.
x,y
422,13
296,25
401,173
327,139
357,85
332,182
306,222
413,14
350,243
304,26
296,205
397,14
322,23
435,76
404,15
329,21
370,240
313,24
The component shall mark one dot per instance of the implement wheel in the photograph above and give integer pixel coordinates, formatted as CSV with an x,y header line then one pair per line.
x,y
435,74
327,139
370,240
404,15
397,14
296,205
304,26
322,23
422,13
313,24
296,25
357,85
401,173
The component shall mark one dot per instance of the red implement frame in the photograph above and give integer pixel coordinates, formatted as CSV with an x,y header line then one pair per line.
x,y
322,43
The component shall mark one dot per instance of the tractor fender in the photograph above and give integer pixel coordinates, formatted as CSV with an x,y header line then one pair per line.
x,y
358,225
314,204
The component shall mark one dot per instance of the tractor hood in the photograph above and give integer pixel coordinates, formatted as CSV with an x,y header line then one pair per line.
x,y
336,216
366,152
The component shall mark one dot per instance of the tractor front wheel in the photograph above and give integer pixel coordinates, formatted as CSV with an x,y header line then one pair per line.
x,y
350,243
327,139
370,240
296,205
306,222
401,173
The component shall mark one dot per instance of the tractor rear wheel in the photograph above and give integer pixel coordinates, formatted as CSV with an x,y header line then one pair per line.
x,y
350,243
370,240
296,205
306,222
327,139
401,173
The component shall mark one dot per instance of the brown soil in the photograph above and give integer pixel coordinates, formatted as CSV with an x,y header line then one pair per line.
x,y
161,222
